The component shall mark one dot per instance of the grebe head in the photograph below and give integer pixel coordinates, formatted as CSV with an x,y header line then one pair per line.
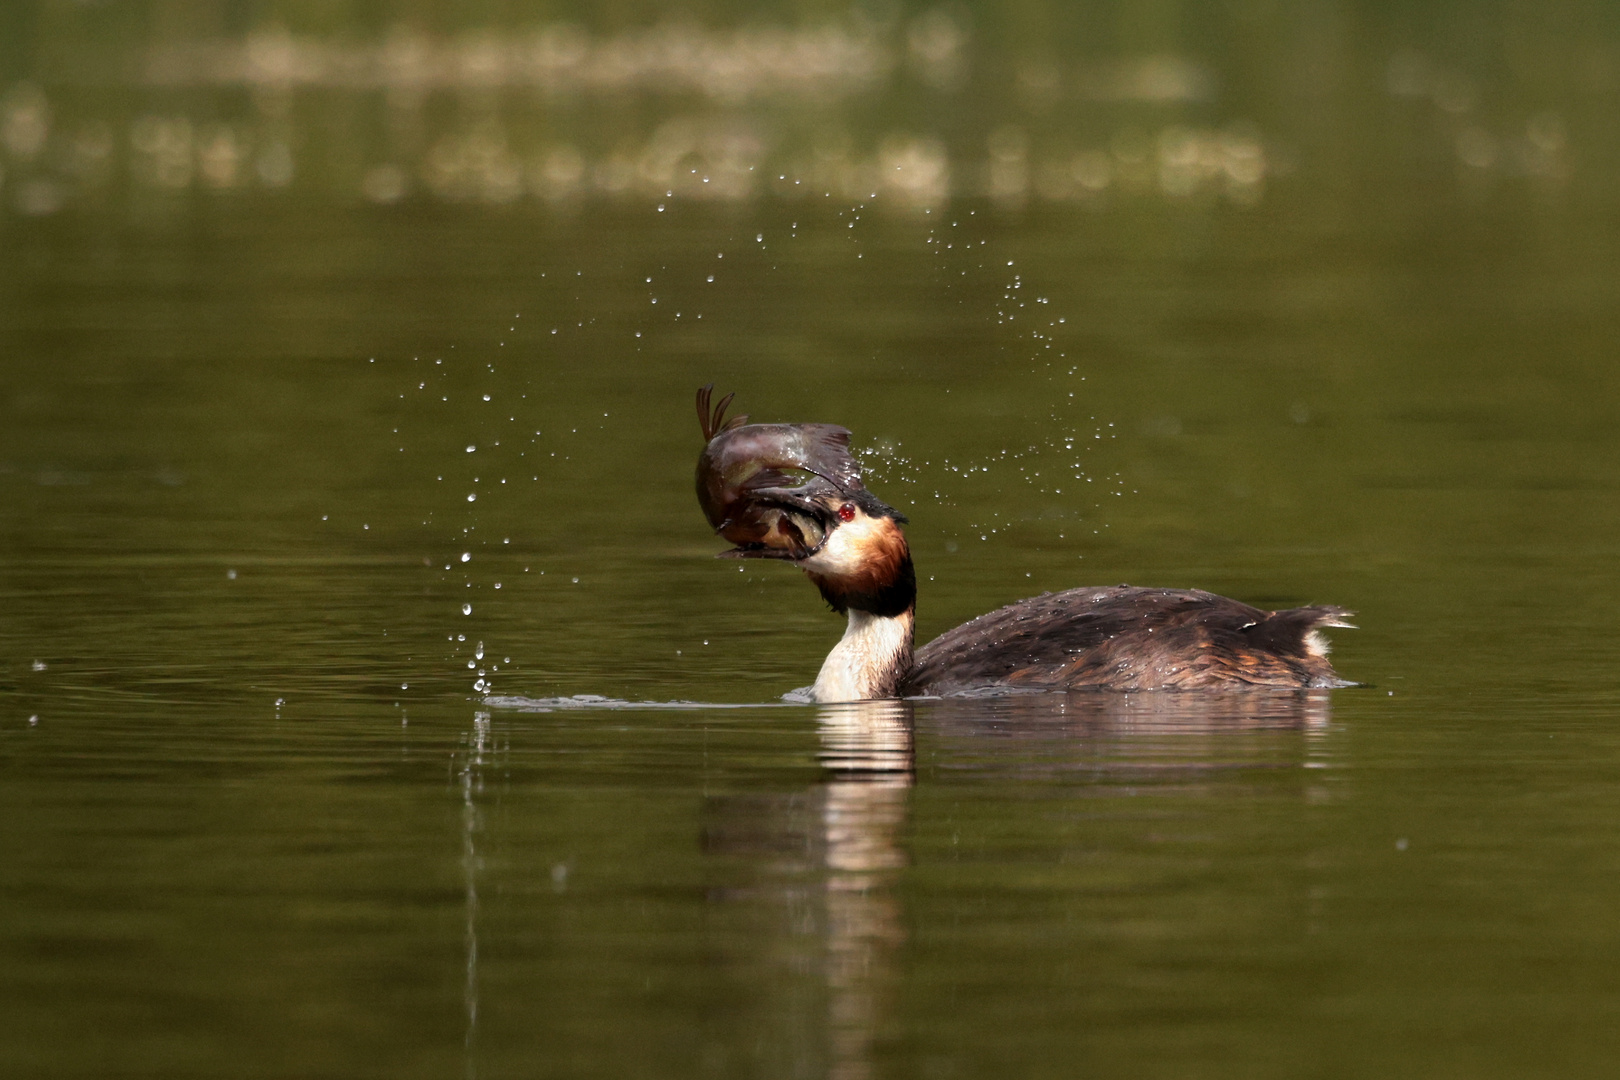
x,y
793,492
863,562
756,482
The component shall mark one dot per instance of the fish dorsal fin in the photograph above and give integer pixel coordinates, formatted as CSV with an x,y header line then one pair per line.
x,y
713,421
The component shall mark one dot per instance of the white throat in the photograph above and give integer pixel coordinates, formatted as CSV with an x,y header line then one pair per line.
x,y
869,660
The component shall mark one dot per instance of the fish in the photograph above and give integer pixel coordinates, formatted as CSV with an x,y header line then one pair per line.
x,y
763,487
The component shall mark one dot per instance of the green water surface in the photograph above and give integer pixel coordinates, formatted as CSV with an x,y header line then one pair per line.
x,y
318,513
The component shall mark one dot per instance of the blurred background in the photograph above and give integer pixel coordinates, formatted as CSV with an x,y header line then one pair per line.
x,y
371,701
112,105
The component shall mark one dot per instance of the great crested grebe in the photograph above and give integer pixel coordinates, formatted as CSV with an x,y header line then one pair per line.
x,y
793,492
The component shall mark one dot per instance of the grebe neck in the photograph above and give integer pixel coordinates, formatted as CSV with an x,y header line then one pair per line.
x,y
870,660
864,570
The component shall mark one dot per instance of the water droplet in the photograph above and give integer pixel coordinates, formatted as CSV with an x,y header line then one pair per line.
x,y
479,651
470,449
466,609
466,556
472,498
38,665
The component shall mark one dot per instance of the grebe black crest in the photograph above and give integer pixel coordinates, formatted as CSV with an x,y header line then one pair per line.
x,y
794,492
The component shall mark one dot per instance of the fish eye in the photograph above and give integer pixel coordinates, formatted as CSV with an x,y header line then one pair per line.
x,y
846,512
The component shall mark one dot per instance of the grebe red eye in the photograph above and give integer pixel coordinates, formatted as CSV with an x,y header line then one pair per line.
x,y
846,513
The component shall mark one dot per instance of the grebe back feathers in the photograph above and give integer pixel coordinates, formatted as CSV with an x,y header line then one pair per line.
x,y
1127,638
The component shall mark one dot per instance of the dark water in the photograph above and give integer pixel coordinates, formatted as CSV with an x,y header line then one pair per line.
x,y
275,805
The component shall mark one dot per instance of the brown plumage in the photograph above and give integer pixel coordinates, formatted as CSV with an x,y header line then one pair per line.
x,y
1126,638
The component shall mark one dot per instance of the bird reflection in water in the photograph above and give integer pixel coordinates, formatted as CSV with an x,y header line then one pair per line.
x,y
822,865
1088,713
812,876
868,751
804,929
1169,743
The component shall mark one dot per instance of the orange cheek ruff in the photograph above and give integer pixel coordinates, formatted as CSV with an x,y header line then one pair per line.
x,y
881,553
